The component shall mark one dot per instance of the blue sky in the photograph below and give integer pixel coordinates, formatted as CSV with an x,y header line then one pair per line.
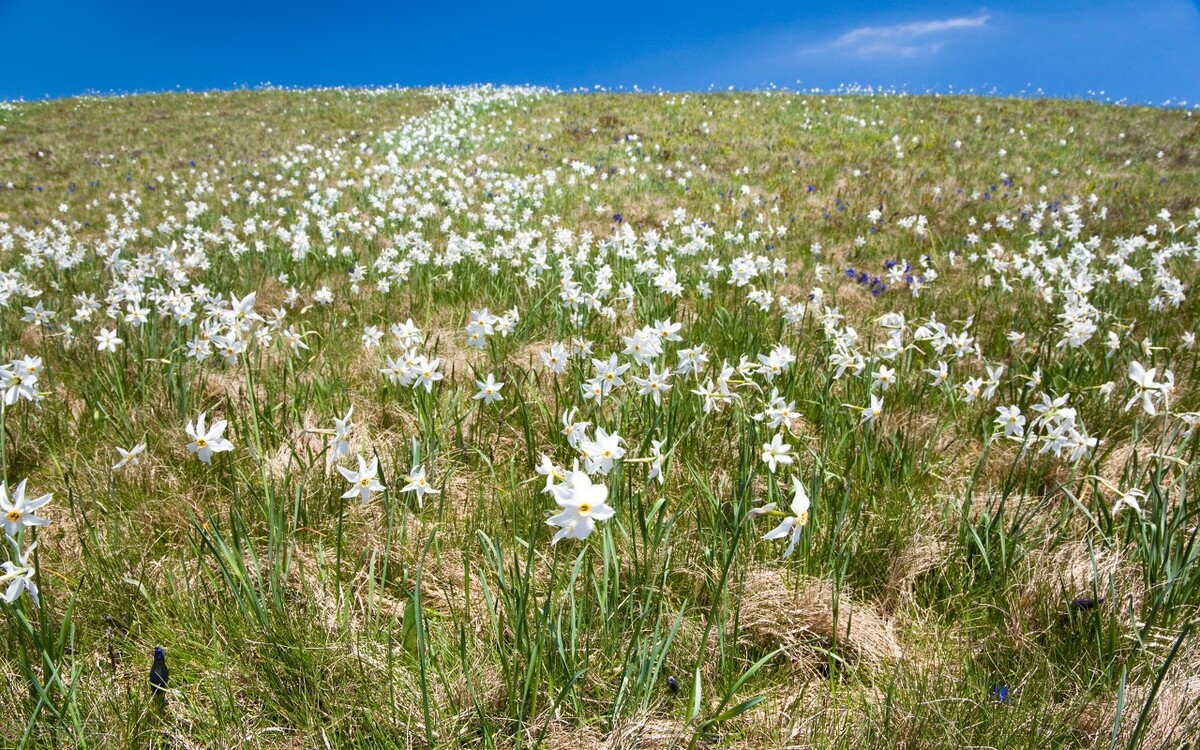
x,y
1140,52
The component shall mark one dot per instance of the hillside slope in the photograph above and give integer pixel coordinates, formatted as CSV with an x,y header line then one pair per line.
x,y
498,417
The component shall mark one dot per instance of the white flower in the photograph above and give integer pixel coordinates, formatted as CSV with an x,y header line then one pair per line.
x,y
1146,387
1011,420
793,524
20,575
939,374
207,442
363,481
776,452
550,471
1132,499
489,390
603,451
872,412
339,442
883,378
107,340
582,503
656,462
131,457
427,373
17,382
419,484
18,512
655,384
371,337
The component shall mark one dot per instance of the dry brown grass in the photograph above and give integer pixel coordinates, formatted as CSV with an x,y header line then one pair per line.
x,y
923,555
810,618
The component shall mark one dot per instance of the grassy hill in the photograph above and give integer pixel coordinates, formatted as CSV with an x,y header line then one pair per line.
x,y
939,351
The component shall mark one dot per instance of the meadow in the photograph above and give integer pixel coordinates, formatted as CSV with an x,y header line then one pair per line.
x,y
512,418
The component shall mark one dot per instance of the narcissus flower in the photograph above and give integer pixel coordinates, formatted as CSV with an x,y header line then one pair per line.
x,y
603,451
339,442
107,340
776,452
873,411
489,390
1130,499
18,511
131,457
418,483
1011,420
1149,391
207,441
362,482
19,575
794,524
582,502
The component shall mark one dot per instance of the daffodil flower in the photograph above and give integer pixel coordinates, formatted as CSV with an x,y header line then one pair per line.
x,y
1130,499
131,457
107,340
795,523
339,442
873,411
18,511
582,503
19,575
776,452
418,483
362,482
206,442
489,390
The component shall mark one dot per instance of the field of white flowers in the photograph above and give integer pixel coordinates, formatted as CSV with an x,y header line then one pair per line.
x,y
504,418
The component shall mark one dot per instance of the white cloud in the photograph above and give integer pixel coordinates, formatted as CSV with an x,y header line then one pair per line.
x,y
904,40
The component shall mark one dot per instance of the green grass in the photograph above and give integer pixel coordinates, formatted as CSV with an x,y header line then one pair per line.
x,y
940,559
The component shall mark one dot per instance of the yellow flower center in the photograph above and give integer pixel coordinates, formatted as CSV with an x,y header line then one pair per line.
x,y
585,508
365,481
201,442
14,515
803,518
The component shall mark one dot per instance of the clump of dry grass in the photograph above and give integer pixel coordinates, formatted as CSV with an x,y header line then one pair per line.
x,y
647,733
921,556
1172,721
298,449
811,618
644,732
1078,570
560,736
